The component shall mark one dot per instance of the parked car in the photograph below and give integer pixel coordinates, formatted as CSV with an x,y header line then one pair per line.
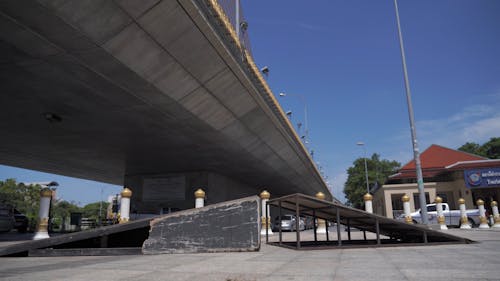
x,y
452,217
6,220
288,223
21,221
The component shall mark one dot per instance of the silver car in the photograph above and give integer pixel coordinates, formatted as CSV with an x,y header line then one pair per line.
x,y
288,223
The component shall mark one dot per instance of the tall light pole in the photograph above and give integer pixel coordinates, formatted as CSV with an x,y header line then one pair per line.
x,y
416,153
360,143
306,126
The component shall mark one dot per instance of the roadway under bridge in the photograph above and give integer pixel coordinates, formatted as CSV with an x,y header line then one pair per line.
x,y
156,95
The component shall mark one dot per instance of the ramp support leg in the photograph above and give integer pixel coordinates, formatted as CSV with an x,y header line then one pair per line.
x,y
377,226
339,238
314,226
297,221
349,229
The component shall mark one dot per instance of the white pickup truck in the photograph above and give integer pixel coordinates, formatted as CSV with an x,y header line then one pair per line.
x,y
452,216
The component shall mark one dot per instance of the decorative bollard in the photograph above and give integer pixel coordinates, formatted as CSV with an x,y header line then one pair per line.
x,y
464,220
482,215
496,216
368,202
125,205
321,229
406,208
199,201
440,217
266,220
43,215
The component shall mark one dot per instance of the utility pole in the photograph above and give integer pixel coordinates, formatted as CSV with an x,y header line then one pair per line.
x,y
416,153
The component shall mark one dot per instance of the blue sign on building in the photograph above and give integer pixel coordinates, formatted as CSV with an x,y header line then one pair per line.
x,y
482,178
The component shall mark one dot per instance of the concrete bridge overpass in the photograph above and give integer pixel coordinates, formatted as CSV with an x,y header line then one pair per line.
x,y
156,95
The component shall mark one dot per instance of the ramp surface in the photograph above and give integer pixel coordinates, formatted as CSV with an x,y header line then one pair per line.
x,y
397,231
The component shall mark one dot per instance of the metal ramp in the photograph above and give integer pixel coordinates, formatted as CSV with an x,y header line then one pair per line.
x,y
398,233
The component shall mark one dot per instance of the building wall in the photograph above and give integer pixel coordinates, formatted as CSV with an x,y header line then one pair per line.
x,y
454,190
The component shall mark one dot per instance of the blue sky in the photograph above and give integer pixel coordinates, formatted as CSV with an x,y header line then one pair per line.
x,y
343,58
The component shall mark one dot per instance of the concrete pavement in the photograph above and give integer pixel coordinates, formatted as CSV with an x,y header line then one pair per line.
x,y
444,262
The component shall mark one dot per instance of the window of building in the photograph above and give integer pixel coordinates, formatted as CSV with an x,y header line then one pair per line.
x,y
417,200
397,204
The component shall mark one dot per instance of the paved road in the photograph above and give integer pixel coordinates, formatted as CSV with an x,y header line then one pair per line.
x,y
478,261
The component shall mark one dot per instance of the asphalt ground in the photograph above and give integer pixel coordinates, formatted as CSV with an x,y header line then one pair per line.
x,y
478,261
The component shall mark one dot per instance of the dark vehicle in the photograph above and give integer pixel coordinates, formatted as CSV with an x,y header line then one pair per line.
x,y
6,219
22,221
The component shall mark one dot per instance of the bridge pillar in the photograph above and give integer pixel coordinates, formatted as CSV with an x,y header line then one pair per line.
x,y
406,208
266,214
368,202
440,217
321,222
496,216
464,220
199,196
125,205
482,215
43,215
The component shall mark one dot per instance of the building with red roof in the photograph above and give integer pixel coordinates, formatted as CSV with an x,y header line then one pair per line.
x,y
448,173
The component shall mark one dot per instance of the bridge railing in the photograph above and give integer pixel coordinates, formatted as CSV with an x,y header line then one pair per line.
x,y
234,12
224,13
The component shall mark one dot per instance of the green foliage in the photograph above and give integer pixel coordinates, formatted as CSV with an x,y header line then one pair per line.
x,y
25,198
490,149
92,210
378,171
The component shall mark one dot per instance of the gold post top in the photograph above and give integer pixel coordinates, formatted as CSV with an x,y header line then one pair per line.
x,y
405,198
461,201
265,195
439,199
46,192
479,202
126,193
320,195
199,193
494,203
367,197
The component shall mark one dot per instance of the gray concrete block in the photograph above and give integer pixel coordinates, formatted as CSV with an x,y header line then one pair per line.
x,y
231,226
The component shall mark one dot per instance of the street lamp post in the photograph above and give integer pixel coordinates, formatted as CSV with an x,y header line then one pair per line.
x,y
416,153
306,127
366,167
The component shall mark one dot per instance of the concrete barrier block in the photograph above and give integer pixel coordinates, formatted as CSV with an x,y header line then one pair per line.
x,y
223,227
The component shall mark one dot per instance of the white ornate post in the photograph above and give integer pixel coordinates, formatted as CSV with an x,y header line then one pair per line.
x,y
321,229
368,202
266,221
496,216
440,217
482,215
125,205
43,215
199,201
464,220
406,208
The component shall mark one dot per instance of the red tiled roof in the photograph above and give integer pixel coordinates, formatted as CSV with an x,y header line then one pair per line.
x,y
436,157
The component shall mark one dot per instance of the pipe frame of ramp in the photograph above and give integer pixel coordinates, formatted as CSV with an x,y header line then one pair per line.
x,y
400,233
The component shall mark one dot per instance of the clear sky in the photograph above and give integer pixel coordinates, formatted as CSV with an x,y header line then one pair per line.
x,y
343,58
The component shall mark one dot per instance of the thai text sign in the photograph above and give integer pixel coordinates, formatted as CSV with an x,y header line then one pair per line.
x,y
482,177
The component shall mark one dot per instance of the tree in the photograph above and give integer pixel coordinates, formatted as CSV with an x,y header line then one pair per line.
x,y
92,210
490,149
378,171
25,198
471,147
